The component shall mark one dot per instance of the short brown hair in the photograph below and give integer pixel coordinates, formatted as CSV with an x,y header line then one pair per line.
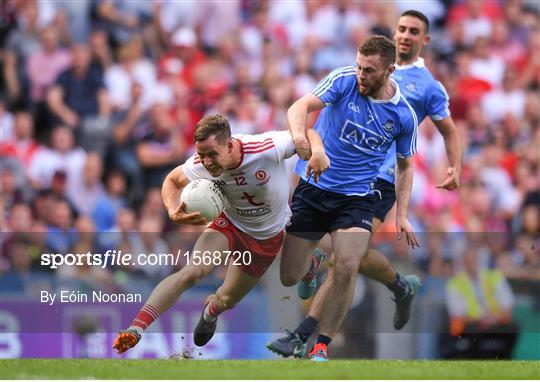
x,y
213,125
380,45
419,15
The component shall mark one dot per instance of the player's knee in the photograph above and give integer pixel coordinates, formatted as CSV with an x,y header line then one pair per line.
x,y
345,270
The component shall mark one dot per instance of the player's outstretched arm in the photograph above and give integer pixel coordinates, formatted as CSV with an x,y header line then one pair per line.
x,y
297,117
454,152
404,180
319,161
173,184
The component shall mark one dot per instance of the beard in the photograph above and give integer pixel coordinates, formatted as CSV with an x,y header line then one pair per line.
x,y
406,56
375,87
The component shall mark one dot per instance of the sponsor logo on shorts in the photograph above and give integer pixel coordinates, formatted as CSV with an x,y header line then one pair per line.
x,y
367,222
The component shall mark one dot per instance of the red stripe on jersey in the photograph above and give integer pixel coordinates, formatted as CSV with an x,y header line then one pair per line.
x,y
259,150
260,144
251,145
267,144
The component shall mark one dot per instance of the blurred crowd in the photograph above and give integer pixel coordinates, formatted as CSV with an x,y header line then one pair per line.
x,y
99,99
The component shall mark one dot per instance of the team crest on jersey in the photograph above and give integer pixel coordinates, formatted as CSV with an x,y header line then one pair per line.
x,y
261,175
411,86
389,126
221,222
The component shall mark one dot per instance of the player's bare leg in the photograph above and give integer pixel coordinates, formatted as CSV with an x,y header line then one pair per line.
x,y
169,290
295,258
236,286
374,265
350,246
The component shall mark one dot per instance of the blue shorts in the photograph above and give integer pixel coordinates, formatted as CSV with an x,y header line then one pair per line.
x,y
387,198
316,212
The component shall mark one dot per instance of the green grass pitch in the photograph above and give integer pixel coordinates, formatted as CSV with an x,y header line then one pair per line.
x,y
276,369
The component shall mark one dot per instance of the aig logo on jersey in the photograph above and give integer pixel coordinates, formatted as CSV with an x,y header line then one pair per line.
x,y
362,138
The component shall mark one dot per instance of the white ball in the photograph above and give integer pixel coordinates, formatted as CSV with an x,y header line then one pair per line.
x,y
203,196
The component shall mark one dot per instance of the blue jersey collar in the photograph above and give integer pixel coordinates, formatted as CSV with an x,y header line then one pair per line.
x,y
419,63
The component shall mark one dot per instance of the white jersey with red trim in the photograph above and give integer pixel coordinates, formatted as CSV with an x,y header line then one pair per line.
x,y
257,191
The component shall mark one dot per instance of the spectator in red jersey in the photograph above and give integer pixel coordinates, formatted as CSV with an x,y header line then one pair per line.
x,y
22,146
477,17
184,56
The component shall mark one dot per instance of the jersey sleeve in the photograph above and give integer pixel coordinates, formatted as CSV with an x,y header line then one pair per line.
x,y
438,103
193,168
331,87
408,132
284,144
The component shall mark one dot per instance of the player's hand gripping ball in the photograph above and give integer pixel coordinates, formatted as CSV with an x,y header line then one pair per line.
x,y
203,196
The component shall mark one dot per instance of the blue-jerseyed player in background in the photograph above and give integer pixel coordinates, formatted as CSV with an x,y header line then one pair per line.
x,y
428,98
363,115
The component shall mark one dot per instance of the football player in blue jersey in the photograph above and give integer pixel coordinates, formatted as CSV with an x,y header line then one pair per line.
x,y
427,97
363,115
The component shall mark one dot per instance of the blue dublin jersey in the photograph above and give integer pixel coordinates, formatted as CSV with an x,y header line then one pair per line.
x,y
357,132
427,97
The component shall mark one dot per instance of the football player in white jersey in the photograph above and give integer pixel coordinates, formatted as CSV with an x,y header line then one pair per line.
x,y
252,174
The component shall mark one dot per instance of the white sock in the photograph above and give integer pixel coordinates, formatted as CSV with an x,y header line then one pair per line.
x,y
138,329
